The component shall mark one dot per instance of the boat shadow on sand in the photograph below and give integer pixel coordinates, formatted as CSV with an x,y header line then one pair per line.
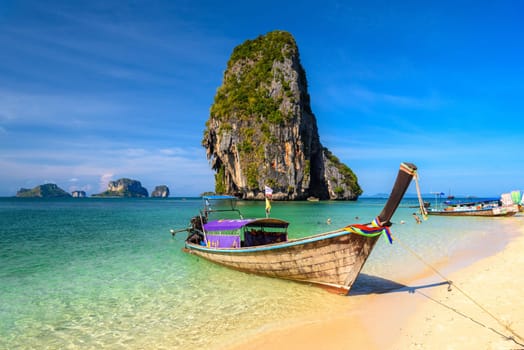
x,y
368,284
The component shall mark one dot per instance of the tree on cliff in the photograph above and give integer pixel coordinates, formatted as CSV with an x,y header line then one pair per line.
x,y
261,130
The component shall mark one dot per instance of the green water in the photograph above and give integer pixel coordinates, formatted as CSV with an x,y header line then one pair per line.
x,y
107,274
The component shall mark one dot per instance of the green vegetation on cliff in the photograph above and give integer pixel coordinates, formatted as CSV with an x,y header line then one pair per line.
x,y
220,180
350,179
247,93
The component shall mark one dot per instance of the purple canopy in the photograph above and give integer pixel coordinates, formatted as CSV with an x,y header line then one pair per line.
x,y
226,224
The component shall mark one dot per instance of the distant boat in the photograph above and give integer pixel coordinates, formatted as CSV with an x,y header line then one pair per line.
x,y
332,260
312,199
487,207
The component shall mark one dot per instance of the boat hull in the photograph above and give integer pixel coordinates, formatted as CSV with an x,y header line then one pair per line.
x,y
486,212
330,260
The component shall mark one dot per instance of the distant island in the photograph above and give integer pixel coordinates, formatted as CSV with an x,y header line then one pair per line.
x,y
161,191
78,194
43,191
125,188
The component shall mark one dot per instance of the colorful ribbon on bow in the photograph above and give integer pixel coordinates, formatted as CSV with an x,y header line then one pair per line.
x,y
372,230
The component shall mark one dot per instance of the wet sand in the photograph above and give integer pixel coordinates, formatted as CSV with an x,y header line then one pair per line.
x,y
482,309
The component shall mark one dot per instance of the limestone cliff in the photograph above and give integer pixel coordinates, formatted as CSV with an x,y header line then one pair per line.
x,y
124,188
262,131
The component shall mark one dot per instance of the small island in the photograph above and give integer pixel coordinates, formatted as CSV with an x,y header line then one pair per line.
x,y
161,191
43,191
121,188
78,194
124,188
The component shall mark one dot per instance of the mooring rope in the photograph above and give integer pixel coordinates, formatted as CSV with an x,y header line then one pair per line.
x,y
420,200
450,283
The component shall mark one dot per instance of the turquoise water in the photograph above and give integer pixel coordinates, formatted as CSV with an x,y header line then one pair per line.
x,y
106,273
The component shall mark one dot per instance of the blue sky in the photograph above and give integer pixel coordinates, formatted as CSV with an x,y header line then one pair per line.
x,y
99,90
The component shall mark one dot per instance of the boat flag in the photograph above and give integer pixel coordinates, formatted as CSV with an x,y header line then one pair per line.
x,y
506,199
516,196
268,191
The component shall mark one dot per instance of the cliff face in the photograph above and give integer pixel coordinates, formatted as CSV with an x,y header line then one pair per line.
x,y
261,130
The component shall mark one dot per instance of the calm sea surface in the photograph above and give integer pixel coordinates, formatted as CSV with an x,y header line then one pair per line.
x,y
106,273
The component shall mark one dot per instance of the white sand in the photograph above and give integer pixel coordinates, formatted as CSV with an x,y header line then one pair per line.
x,y
423,318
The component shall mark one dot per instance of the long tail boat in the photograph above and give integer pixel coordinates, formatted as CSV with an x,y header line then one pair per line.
x,y
331,260
486,207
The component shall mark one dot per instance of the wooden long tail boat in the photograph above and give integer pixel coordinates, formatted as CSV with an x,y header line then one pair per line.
x,y
331,260
488,207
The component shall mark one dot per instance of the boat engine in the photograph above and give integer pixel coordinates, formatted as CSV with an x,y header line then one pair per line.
x,y
195,235
197,222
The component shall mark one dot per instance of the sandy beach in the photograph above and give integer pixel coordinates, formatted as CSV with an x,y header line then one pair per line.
x,y
482,310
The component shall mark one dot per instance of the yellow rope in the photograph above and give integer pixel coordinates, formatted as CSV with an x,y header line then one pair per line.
x,y
450,283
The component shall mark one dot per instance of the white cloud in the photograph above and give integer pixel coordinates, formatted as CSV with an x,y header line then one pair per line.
x,y
104,181
173,151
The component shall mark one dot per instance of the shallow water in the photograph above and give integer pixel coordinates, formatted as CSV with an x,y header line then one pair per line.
x,y
106,273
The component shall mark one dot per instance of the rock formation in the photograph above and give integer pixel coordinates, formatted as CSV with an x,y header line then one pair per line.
x,y
124,188
161,191
261,129
78,194
43,191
